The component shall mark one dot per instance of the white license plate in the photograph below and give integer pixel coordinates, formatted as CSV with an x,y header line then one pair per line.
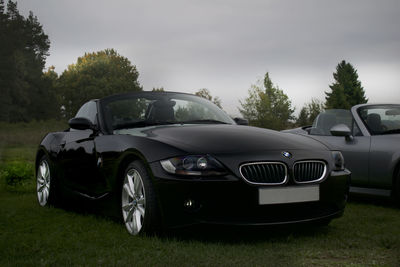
x,y
291,194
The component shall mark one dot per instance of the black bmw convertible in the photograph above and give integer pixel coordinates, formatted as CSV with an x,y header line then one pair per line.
x,y
164,159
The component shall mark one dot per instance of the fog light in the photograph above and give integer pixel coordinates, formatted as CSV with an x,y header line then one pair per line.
x,y
188,203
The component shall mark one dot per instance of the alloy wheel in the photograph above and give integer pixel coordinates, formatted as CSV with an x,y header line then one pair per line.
x,y
133,201
43,183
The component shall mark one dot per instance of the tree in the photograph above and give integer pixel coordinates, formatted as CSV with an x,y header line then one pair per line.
x,y
309,112
23,51
205,93
267,106
346,90
96,75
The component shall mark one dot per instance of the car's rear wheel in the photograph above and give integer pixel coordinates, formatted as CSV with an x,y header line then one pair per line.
x,y
138,201
43,182
396,189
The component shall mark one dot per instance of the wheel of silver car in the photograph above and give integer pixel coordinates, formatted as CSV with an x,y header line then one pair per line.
x,y
138,200
396,189
43,180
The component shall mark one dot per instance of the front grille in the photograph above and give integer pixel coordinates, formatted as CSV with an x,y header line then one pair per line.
x,y
264,172
309,171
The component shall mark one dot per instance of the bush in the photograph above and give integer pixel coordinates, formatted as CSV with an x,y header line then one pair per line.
x,y
17,173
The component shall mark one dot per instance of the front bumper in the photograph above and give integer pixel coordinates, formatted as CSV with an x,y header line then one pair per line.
x,y
232,201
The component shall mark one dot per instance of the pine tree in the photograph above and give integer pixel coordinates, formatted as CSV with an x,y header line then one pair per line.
x,y
346,90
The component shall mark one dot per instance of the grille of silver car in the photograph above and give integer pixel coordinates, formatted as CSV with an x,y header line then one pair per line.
x,y
264,172
309,171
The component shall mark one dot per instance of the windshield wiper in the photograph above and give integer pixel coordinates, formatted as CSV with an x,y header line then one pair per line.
x,y
143,123
202,122
393,131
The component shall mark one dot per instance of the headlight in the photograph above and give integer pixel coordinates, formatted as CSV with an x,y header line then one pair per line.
x,y
338,160
201,165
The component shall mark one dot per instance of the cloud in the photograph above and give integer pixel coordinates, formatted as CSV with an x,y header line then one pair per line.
x,y
224,45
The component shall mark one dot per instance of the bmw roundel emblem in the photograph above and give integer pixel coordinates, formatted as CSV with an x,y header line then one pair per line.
x,y
286,154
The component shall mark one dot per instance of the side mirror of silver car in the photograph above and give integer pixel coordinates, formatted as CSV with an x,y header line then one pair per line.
x,y
342,130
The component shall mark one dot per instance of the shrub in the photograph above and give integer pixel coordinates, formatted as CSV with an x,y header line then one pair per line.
x,y
17,173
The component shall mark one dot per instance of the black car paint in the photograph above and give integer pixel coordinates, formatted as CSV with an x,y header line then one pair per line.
x,y
90,163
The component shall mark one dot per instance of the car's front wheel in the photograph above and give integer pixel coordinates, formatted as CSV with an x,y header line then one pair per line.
x,y
138,200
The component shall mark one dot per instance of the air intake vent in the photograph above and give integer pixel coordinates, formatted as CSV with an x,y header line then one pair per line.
x,y
309,171
268,173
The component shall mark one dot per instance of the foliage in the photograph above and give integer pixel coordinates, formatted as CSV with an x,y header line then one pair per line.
x,y
309,112
96,75
205,93
346,91
17,173
267,106
23,50
158,89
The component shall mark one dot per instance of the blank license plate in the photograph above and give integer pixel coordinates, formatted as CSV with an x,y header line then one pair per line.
x,y
288,194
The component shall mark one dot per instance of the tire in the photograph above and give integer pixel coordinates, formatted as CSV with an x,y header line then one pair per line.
x,y
138,200
396,189
44,183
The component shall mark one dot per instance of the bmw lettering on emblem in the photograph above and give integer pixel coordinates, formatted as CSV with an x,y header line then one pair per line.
x,y
286,154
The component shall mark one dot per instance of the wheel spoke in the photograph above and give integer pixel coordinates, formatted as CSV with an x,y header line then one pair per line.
x,y
138,184
40,197
141,210
40,180
41,187
129,216
134,224
42,170
127,207
128,190
141,201
45,194
131,185
138,220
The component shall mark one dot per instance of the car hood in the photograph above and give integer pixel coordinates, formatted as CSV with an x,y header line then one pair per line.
x,y
225,138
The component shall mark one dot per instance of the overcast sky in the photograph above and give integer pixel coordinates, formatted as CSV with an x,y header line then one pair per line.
x,y
227,45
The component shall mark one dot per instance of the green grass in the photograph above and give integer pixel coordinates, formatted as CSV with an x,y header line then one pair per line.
x,y
367,235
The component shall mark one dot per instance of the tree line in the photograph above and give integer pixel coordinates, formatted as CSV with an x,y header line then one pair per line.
x,y
29,92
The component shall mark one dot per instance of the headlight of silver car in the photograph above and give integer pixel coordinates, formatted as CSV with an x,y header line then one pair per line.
x,y
200,165
338,160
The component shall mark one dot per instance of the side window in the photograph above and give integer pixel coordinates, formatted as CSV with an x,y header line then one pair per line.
x,y
89,111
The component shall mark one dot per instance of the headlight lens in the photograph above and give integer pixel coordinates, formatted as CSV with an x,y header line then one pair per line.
x,y
338,160
200,165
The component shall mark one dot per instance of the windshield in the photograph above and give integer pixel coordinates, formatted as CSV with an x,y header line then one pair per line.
x,y
381,119
160,108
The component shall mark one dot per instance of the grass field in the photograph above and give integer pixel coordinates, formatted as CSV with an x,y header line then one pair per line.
x,y
367,235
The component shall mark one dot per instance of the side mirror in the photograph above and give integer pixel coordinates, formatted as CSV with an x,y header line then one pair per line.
x,y
341,130
241,121
80,123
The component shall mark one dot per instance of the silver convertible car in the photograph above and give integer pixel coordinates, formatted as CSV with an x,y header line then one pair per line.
x,y
370,144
